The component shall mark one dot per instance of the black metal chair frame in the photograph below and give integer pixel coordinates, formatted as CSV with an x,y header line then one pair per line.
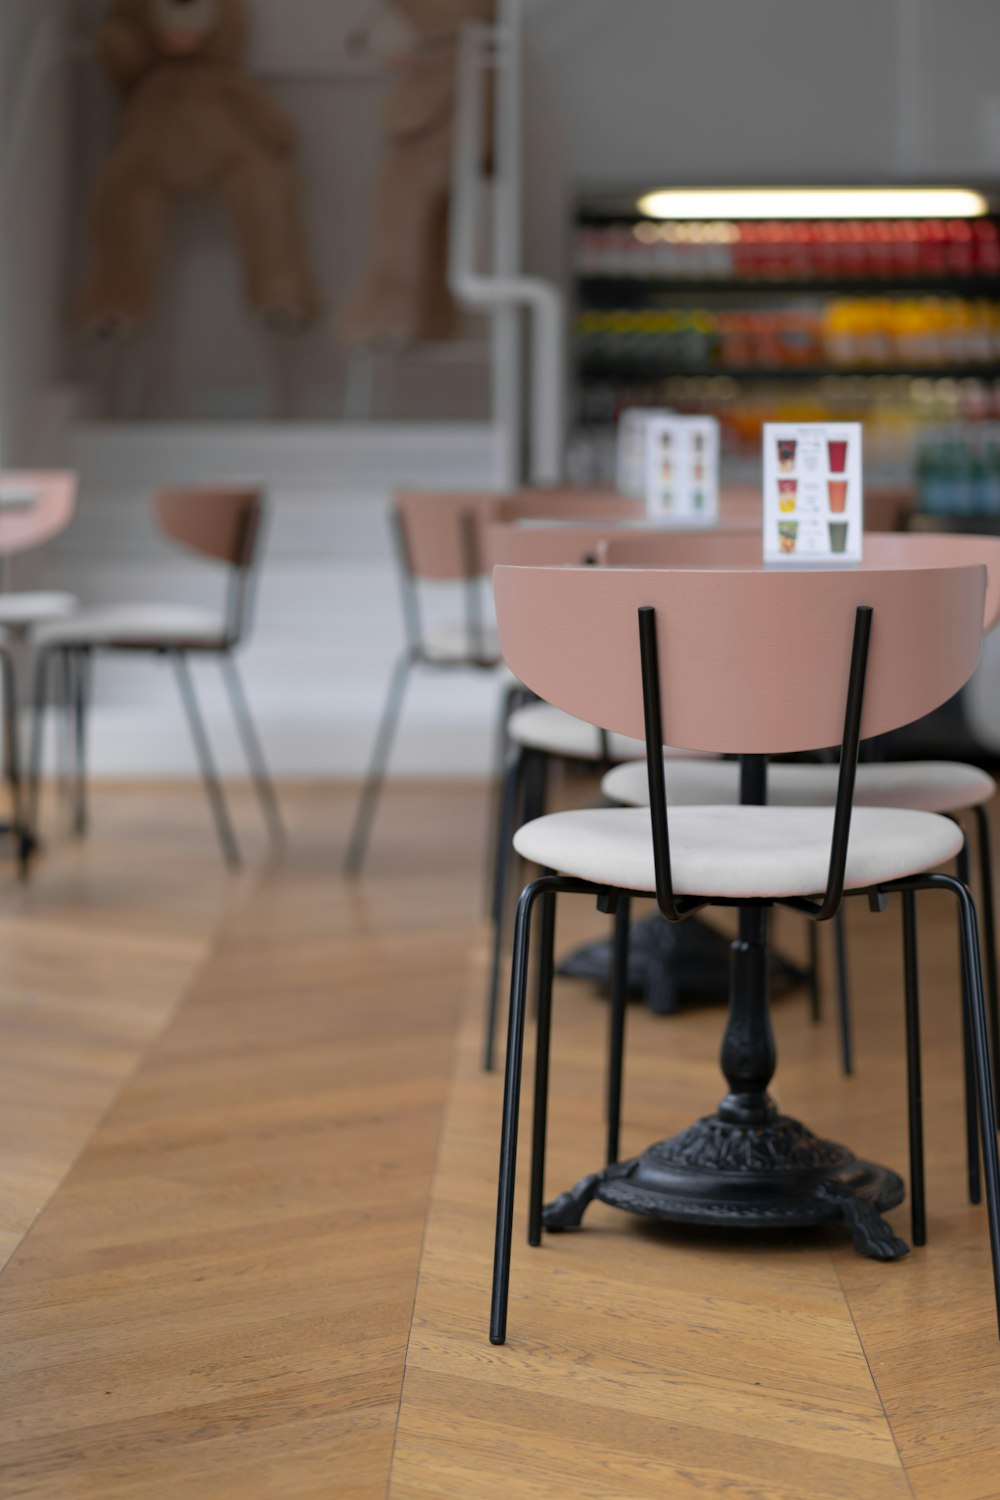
x,y
414,654
753,918
76,660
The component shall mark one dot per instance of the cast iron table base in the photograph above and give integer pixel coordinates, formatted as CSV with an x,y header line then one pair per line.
x,y
747,1166
669,963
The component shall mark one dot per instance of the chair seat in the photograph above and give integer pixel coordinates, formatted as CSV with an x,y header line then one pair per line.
x,y
540,726
455,643
938,786
738,852
139,625
19,610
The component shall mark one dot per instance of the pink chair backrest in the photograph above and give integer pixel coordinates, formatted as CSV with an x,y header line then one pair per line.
x,y
38,506
441,531
659,548
908,549
750,662
217,522
564,503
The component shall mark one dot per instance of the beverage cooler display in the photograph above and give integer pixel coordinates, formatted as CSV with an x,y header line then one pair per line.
x,y
893,322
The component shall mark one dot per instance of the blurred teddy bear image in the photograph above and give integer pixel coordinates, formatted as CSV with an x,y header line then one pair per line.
x,y
192,121
403,297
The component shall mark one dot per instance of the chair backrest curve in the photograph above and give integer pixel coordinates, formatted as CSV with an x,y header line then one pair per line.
x,y
220,523
751,662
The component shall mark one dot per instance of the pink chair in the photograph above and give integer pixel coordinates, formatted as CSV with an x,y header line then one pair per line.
x,y
689,657
439,538
224,526
538,733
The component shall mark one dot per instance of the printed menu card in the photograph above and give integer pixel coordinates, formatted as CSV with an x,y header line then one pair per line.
x,y
630,474
682,470
813,504
672,463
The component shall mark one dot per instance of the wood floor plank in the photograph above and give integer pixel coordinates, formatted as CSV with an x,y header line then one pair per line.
x,y
93,961
217,1301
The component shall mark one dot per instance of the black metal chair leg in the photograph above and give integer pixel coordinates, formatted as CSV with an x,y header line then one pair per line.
x,y
546,945
534,786
511,1108
12,758
843,994
80,677
357,845
43,667
989,939
914,1081
64,740
509,698
505,834
252,749
618,1009
210,777
815,999
984,1084
968,1059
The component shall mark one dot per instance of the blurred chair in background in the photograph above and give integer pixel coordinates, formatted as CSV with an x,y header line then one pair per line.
x,y
439,538
35,506
225,526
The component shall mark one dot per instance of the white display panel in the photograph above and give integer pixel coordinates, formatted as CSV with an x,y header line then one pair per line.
x,y
813,500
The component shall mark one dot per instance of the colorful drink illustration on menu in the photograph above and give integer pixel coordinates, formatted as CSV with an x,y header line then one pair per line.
x,y
812,513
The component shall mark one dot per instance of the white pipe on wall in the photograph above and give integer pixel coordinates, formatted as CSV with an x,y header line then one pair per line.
x,y
502,291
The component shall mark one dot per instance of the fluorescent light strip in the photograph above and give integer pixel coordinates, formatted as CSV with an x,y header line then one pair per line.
x,y
813,203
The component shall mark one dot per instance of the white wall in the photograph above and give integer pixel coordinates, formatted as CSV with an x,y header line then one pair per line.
x,y
34,158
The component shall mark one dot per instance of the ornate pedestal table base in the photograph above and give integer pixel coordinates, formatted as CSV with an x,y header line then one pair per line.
x,y
747,1166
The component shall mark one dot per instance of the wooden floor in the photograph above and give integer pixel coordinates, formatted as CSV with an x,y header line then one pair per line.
x,y
247,1183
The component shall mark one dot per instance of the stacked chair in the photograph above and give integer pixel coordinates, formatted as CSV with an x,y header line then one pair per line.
x,y
439,538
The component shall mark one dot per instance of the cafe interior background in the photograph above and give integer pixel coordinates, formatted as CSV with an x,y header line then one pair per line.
x,y
476,316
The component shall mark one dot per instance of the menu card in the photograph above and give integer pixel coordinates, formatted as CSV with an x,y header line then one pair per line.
x,y
682,471
813,503
630,473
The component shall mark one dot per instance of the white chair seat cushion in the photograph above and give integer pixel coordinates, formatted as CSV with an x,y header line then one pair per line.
x,y
540,726
454,642
738,852
937,786
133,624
31,608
